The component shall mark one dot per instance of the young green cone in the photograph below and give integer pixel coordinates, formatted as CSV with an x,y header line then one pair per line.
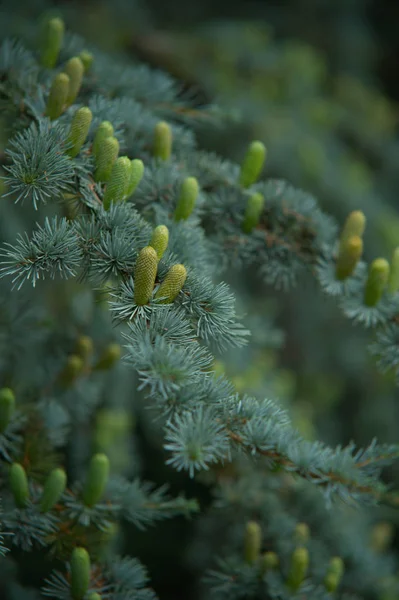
x,y
19,485
253,212
57,99
96,479
162,147
298,568
376,281
334,574
118,182
84,347
349,255
159,240
53,489
393,282
268,561
104,131
80,573
355,224
302,533
144,275
7,407
172,284
87,59
252,164
252,541
109,357
79,130
72,370
105,158
51,42
135,176
188,195
74,69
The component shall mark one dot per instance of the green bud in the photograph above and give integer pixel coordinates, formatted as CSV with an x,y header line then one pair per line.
x,y
252,541
72,370
376,281
57,99
253,212
87,59
298,568
355,224
84,347
172,284
118,182
302,533
79,130
104,131
53,489
74,69
268,561
19,485
7,407
80,573
162,147
109,357
393,282
144,275
159,240
96,480
136,175
252,164
334,574
188,195
51,42
105,157
349,255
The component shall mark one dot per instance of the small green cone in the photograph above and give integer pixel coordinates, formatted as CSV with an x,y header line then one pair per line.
x,y
118,182
104,131
252,542
377,280
96,479
136,175
79,130
7,407
80,573
159,240
72,370
105,157
298,569
109,357
87,59
334,574
355,224
19,485
252,164
302,533
94,596
84,348
74,69
53,489
162,147
144,275
381,536
51,42
393,282
57,99
188,195
268,561
172,284
253,212
348,257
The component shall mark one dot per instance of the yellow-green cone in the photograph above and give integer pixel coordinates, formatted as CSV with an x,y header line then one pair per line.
x,y
188,195
51,42
96,480
252,164
355,224
334,574
298,568
302,533
144,275
268,561
87,59
253,212
393,282
75,70
136,175
159,240
80,573
94,596
105,157
53,489
72,370
79,130
19,485
162,147
376,281
172,284
109,357
7,407
57,99
117,183
252,541
349,255
104,131
84,347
